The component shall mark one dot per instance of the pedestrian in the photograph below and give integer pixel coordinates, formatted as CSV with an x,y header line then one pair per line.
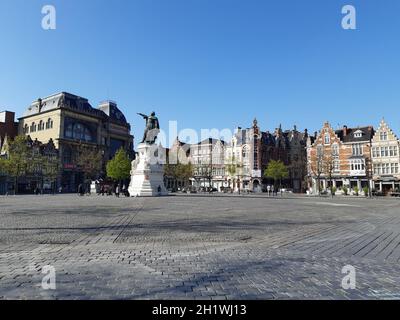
x,y
60,189
268,190
117,191
88,189
273,190
102,190
80,190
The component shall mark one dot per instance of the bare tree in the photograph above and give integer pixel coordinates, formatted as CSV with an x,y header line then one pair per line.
x,y
317,169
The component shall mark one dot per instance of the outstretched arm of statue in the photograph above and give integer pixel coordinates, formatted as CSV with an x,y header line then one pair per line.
x,y
143,115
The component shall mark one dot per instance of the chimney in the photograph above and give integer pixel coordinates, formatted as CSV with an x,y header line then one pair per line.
x,y
345,131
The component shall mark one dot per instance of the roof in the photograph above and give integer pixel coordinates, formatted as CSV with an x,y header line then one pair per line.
x,y
110,109
211,141
366,134
62,100
107,110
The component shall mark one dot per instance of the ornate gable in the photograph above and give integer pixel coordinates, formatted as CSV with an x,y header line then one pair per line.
x,y
384,128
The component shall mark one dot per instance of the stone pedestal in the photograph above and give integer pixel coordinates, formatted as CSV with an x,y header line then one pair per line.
x,y
147,175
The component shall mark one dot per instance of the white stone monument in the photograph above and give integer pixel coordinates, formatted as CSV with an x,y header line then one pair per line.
x,y
147,174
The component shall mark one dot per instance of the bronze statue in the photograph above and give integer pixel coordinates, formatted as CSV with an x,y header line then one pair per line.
x,y
152,128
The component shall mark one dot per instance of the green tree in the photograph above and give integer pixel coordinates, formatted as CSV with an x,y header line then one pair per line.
x,y
119,168
231,167
16,162
183,172
51,170
277,171
234,169
179,171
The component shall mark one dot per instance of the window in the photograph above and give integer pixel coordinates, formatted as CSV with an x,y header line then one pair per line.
x,y
385,168
357,165
335,150
393,151
33,127
383,136
358,134
245,152
375,152
357,149
327,138
68,131
41,126
26,129
320,151
49,124
78,131
67,155
336,165
386,151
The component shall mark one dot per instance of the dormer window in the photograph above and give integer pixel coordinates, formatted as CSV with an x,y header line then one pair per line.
x,y
358,134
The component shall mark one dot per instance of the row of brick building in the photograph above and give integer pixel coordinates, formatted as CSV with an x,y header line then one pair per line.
x,y
356,160
345,160
341,159
250,150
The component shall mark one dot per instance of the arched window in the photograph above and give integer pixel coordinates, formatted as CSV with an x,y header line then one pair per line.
x,y
49,124
87,135
41,125
78,131
26,129
33,127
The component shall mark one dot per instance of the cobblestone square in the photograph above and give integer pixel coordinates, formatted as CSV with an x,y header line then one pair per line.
x,y
199,247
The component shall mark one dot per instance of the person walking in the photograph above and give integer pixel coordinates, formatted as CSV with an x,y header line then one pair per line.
x,y
80,190
117,191
268,190
273,190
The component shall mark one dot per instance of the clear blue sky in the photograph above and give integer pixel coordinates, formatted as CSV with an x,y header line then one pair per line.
x,y
209,63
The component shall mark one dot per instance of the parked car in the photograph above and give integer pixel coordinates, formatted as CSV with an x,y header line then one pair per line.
x,y
226,189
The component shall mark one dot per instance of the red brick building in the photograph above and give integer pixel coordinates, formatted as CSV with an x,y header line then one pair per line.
x,y
340,158
8,126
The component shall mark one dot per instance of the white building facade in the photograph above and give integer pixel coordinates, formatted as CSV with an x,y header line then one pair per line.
x,y
385,159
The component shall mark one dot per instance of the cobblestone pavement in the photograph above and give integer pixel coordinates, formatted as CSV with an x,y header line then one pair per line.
x,y
199,247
